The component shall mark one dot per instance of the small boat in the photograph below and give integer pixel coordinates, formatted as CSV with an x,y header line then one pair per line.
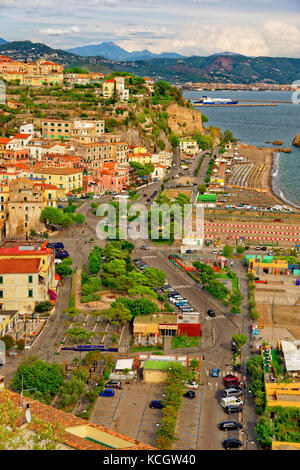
x,y
207,100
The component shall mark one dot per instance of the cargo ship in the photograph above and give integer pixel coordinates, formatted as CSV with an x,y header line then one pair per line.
x,y
207,100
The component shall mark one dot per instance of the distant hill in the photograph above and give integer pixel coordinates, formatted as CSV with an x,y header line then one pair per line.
x,y
219,68
2,41
215,68
27,50
112,51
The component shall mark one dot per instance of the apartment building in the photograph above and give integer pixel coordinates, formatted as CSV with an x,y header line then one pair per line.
x,y
79,131
64,178
97,153
115,87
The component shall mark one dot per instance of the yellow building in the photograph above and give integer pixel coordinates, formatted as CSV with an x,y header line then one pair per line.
x,y
153,327
31,250
276,267
23,284
65,179
142,158
79,130
285,390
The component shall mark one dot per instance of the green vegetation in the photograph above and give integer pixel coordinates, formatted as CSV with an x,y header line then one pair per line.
x,y
257,386
64,268
184,341
280,424
173,391
44,378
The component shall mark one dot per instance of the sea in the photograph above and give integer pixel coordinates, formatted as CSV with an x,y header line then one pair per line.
x,y
258,124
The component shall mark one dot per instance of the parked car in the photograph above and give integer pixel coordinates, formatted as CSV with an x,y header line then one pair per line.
x,y
191,384
107,392
231,380
236,408
227,401
232,443
190,394
57,261
233,392
211,313
181,302
156,404
229,425
214,252
215,372
188,251
144,247
113,384
55,245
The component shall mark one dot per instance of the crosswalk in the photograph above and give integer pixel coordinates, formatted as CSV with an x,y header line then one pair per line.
x,y
214,318
149,257
181,286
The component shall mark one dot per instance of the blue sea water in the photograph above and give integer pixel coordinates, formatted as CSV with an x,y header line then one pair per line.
x,y
256,125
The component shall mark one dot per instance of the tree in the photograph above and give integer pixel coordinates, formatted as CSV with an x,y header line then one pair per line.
x,y
201,188
142,306
44,306
79,218
240,249
174,141
239,340
64,269
227,251
79,335
118,313
9,341
154,277
38,374
52,215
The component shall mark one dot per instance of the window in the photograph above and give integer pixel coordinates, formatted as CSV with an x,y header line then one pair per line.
x,y
1,294
30,293
1,279
30,279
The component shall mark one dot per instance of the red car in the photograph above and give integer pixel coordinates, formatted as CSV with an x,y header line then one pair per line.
x,y
260,282
230,380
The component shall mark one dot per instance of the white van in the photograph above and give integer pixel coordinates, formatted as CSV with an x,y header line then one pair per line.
x,y
230,401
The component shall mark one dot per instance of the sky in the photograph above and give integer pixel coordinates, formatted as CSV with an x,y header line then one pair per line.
x,y
188,27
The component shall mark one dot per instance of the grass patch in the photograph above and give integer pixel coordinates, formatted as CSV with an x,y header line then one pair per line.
x,y
145,348
185,342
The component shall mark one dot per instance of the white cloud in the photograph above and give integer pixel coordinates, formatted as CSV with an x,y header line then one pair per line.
x,y
60,31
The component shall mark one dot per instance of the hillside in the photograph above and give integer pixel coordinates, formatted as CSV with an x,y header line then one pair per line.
x,y
219,68
27,50
155,121
112,51
216,68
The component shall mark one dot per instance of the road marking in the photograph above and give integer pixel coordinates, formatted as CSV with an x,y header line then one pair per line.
x,y
216,317
182,287
149,257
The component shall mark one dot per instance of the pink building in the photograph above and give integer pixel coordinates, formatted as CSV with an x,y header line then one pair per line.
x,y
111,177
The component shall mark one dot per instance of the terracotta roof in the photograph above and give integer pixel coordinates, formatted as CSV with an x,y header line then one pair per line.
x,y
20,265
58,170
4,140
67,420
21,136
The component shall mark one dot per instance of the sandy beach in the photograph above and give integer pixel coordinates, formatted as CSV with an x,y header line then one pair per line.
x,y
263,155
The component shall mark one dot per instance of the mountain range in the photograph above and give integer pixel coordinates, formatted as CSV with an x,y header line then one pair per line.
x,y
2,41
226,68
112,51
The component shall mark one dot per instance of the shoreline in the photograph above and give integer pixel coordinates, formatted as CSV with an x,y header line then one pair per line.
x,y
271,158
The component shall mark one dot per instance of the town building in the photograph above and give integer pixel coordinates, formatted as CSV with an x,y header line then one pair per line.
x,y
24,205
78,130
65,179
74,433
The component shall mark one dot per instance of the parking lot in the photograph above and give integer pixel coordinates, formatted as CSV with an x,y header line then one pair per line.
x,y
128,411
